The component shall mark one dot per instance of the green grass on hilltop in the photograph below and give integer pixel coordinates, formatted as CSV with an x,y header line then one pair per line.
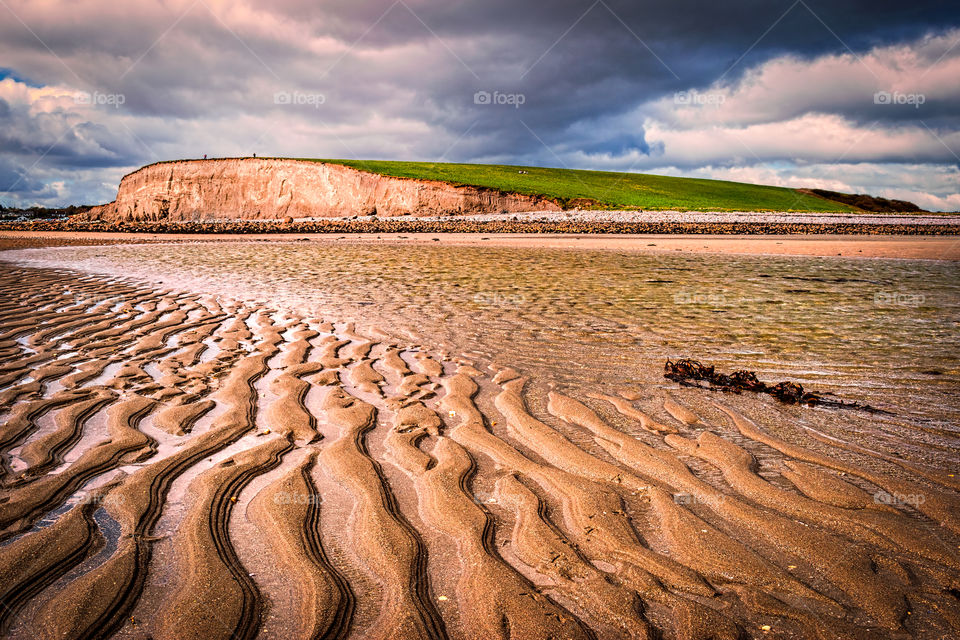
x,y
605,189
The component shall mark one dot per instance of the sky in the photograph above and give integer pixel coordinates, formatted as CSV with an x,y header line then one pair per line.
x,y
855,96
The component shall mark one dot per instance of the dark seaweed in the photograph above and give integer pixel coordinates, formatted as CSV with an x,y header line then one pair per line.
x,y
691,372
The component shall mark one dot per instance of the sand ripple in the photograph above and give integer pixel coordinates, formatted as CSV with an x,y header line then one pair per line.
x,y
181,465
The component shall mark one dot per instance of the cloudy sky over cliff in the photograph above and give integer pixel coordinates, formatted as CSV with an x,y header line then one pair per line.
x,y
852,96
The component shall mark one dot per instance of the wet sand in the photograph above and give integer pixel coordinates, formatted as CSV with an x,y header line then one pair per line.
x,y
906,247
180,465
856,246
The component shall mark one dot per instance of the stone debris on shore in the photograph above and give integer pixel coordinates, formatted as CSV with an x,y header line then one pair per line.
x,y
580,222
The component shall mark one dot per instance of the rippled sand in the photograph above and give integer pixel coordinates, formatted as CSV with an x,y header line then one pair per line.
x,y
884,332
178,463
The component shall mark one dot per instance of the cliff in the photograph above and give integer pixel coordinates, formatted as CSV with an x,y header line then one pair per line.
x,y
270,189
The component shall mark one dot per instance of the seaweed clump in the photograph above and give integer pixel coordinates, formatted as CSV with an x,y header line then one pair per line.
x,y
691,372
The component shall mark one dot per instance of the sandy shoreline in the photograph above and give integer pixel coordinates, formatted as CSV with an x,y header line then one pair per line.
x,y
185,465
903,247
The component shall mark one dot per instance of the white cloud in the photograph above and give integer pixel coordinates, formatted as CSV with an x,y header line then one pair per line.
x,y
788,87
812,137
812,123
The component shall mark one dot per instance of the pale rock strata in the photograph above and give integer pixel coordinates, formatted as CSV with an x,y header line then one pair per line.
x,y
271,189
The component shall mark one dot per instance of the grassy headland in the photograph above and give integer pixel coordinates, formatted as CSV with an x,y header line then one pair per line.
x,y
572,188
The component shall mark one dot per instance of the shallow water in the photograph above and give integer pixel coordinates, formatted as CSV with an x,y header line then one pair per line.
x,y
579,323
873,330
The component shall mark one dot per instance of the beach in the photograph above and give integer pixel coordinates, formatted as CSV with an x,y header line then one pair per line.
x,y
913,247
469,435
479,320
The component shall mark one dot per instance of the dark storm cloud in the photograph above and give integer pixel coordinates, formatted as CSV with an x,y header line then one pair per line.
x,y
586,83
556,51
14,179
575,60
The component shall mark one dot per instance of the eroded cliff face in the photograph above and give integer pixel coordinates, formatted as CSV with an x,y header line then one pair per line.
x,y
269,189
